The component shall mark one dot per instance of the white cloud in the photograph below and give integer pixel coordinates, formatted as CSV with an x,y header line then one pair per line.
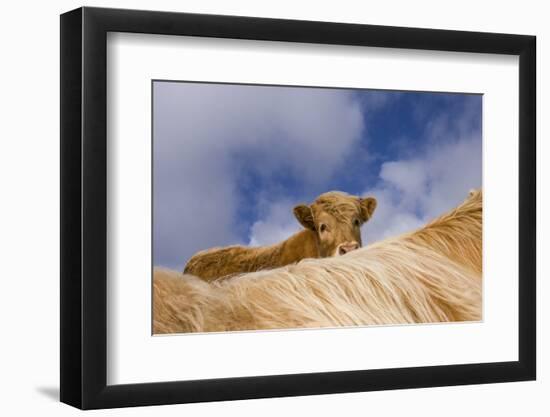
x,y
277,225
413,191
391,217
202,134
408,177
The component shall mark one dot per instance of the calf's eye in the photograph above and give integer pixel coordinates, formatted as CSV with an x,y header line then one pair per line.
x,y
356,222
323,227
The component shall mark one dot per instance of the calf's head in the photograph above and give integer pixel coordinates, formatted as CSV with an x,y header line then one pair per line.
x,y
336,218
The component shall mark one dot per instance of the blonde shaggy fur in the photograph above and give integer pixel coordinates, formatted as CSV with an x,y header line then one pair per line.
x,y
431,275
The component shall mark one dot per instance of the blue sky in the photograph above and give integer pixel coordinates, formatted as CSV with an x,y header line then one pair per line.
x,y
230,161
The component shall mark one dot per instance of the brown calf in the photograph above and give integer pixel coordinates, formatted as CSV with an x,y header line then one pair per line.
x,y
331,228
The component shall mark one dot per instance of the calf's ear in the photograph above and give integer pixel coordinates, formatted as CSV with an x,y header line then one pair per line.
x,y
305,216
368,205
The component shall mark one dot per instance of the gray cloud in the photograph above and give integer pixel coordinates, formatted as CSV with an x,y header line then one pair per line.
x,y
200,130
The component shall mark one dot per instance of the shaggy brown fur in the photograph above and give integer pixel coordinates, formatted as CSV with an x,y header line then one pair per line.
x,y
401,280
332,227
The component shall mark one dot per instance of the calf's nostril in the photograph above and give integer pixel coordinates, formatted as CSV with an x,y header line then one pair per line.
x,y
347,247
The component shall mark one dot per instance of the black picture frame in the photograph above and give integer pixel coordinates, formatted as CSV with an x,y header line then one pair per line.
x,y
84,207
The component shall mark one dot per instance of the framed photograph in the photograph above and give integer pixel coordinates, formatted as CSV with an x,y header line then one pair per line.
x,y
258,208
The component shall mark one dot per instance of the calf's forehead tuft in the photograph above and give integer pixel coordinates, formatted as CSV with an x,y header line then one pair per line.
x,y
338,204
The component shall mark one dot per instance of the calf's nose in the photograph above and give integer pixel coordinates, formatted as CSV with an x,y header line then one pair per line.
x,y
347,247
